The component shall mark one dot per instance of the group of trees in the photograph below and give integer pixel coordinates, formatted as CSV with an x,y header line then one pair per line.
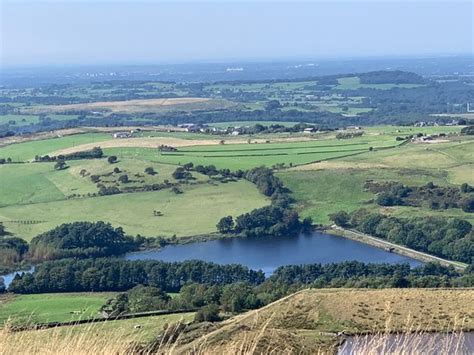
x,y
81,240
435,197
232,287
468,131
12,250
360,275
94,153
271,220
450,238
349,135
113,274
138,299
5,160
278,219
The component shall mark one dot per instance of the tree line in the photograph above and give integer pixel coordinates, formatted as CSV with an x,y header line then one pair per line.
x,y
112,274
450,238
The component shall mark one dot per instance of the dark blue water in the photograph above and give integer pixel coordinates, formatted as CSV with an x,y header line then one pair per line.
x,y
267,254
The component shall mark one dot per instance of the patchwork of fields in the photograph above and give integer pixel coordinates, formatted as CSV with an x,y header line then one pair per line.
x,y
325,175
328,187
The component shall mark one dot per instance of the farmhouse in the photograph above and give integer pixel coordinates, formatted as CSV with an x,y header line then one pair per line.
x,y
123,134
309,130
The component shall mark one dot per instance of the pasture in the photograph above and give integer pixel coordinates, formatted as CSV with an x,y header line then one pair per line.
x,y
26,151
327,187
351,83
196,211
245,156
51,307
108,337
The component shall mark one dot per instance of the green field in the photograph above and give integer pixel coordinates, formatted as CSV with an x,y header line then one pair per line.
x,y
107,337
39,182
34,197
194,212
245,156
51,307
20,120
351,83
329,187
28,150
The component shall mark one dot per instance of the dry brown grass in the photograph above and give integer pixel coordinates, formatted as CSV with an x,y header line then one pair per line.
x,y
154,142
135,106
307,322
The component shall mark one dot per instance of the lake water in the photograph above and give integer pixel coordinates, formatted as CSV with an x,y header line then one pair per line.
x,y
267,254
8,278
427,343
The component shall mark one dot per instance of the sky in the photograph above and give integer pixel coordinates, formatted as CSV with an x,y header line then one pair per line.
x,y
153,32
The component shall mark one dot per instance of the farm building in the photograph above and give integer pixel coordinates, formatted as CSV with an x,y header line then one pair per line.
x,y
123,134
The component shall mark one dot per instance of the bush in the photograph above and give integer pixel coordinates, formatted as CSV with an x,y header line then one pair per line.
x,y
209,313
112,159
340,218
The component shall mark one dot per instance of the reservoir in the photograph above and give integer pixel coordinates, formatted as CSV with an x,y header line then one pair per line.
x,y
268,253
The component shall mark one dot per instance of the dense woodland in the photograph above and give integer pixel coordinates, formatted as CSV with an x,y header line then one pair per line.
x,y
429,195
449,238
106,274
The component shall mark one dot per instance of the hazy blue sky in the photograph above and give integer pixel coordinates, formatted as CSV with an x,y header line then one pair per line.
x,y
89,32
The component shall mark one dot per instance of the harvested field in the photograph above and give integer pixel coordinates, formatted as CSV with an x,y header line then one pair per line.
x,y
135,106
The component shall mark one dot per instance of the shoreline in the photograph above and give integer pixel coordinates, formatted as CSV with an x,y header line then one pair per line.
x,y
391,247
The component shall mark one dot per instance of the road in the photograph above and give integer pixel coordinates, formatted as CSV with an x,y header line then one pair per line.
x,y
380,243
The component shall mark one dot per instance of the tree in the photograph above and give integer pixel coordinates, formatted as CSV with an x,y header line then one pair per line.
x,y
180,173
225,225
150,171
209,313
116,170
123,179
340,218
60,165
272,105
2,229
467,204
147,298
112,159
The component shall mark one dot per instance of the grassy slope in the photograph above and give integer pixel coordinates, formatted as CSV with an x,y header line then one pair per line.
x,y
338,185
40,182
28,150
245,156
111,337
196,211
51,307
300,321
